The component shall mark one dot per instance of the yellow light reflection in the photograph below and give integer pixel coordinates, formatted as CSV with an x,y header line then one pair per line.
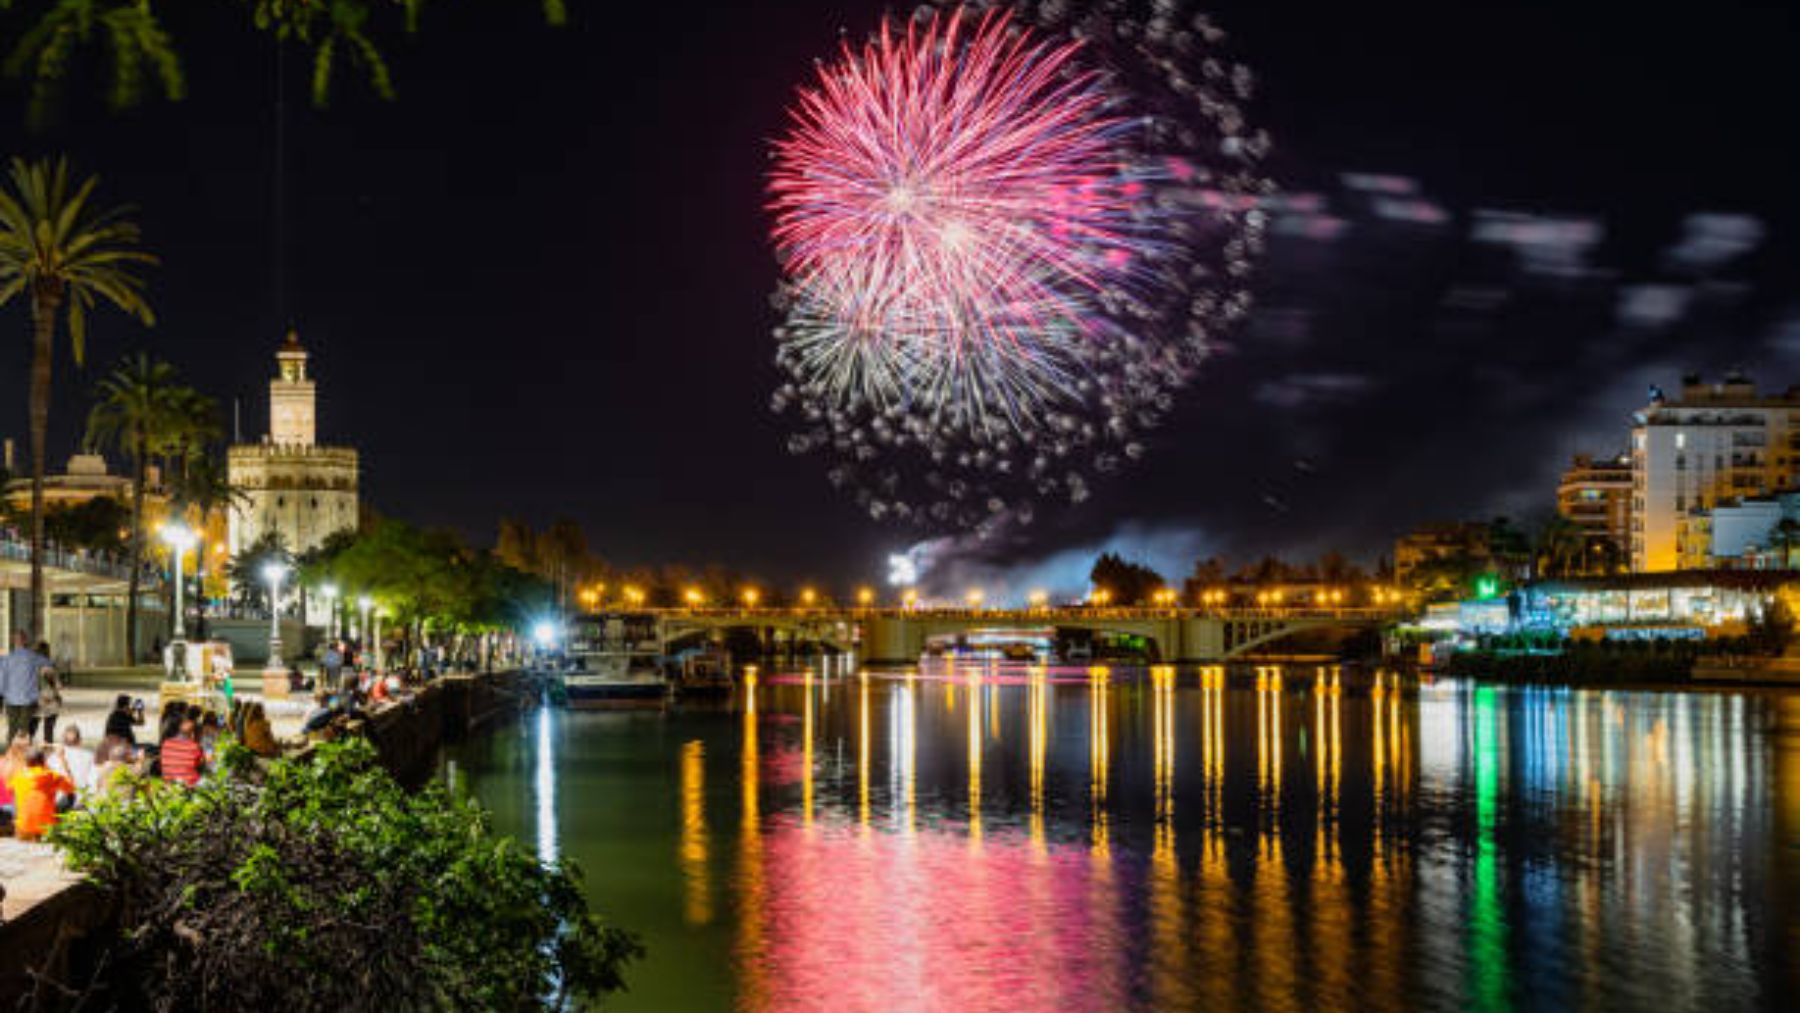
x,y
1162,683
1099,746
1170,978
697,895
1037,721
975,726
750,947
806,761
862,754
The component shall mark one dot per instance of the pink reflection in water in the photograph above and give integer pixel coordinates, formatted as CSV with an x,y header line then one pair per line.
x,y
861,920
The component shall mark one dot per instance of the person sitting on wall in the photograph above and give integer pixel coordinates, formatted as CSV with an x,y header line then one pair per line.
x,y
182,759
125,716
320,717
259,734
170,725
212,729
34,795
75,760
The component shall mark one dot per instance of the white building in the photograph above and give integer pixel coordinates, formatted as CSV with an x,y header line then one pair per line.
x,y
1716,442
291,484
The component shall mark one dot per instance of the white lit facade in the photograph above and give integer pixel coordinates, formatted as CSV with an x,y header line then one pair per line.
x,y
1717,442
291,484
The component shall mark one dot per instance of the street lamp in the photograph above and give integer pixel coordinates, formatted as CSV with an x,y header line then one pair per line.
x,y
274,571
807,597
865,596
330,592
1038,599
180,539
975,597
750,597
694,597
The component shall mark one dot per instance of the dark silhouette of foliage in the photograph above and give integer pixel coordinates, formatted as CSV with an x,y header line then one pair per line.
x,y
322,884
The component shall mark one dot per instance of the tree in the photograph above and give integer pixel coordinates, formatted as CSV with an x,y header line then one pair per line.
x,y
63,256
1208,574
334,32
246,568
1267,570
93,525
1561,548
1127,583
201,490
1783,538
563,557
140,409
322,884
517,545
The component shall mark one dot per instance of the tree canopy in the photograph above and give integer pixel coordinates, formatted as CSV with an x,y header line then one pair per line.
x,y
1126,582
144,54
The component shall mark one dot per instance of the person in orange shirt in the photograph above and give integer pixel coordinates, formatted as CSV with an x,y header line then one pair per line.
x,y
34,796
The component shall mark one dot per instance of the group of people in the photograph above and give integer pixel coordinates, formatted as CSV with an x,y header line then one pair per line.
x,y
345,690
39,781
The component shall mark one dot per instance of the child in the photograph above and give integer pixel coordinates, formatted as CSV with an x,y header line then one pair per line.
x,y
34,795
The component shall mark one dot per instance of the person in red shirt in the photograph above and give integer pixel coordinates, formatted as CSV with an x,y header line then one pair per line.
x,y
182,758
34,796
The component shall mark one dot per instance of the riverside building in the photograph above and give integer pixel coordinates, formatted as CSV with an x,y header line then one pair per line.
x,y
1714,443
291,484
1595,496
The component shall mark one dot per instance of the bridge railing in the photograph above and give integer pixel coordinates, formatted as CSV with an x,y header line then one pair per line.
x,y
1028,615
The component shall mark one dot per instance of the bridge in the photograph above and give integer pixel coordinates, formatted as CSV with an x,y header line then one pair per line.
x,y
899,635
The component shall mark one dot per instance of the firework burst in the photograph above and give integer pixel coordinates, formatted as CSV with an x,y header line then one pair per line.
x,y
1002,251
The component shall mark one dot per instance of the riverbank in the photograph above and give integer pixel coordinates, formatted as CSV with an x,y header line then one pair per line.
x,y
1599,668
50,915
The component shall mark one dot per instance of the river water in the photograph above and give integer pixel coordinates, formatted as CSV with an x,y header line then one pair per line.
x,y
998,837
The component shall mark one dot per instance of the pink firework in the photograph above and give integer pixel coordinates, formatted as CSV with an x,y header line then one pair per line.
x,y
950,204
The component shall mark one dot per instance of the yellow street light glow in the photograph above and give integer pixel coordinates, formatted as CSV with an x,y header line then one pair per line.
x,y
864,595
975,597
807,595
693,596
750,596
910,596
1038,598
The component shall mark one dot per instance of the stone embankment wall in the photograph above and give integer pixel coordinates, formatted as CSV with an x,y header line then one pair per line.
x,y
62,915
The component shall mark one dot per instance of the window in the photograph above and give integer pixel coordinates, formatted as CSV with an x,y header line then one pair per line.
x,y
1680,441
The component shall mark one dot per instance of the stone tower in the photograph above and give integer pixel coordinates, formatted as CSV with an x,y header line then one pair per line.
x,y
290,483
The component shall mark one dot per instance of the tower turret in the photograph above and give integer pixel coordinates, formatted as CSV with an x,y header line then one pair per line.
x,y
292,419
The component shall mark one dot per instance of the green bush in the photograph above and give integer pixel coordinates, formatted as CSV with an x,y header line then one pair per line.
x,y
324,885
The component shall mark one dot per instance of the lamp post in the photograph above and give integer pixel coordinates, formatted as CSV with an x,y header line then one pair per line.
x,y
274,572
180,540
330,591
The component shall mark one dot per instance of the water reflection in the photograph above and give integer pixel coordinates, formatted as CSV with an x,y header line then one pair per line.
x,y
1109,838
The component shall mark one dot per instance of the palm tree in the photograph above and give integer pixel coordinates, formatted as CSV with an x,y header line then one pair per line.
x,y
139,409
61,254
1561,548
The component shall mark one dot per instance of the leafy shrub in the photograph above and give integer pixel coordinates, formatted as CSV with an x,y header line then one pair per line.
x,y
324,885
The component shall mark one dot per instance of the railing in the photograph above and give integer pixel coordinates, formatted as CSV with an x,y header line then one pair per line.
x,y
76,561
1039,615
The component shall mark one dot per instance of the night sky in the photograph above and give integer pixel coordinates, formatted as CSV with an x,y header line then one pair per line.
x,y
538,283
